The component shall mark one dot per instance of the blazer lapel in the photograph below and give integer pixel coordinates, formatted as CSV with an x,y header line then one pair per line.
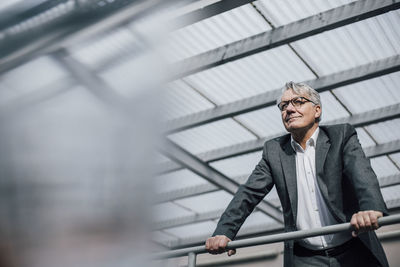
x,y
322,149
288,161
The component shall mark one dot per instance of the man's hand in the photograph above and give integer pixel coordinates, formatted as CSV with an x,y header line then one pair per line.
x,y
364,221
217,245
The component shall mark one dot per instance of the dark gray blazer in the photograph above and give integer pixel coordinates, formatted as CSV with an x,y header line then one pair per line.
x,y
344,175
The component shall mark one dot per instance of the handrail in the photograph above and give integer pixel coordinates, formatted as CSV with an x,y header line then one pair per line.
x,y
273,238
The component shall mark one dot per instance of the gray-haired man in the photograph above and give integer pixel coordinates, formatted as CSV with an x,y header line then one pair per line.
x,y
322,178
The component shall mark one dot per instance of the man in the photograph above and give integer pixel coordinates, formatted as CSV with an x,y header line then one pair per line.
x,y
322,178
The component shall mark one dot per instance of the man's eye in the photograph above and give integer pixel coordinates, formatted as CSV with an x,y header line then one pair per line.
x,y
298,102
284,105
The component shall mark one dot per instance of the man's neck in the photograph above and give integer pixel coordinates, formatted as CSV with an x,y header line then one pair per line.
x,y
301,136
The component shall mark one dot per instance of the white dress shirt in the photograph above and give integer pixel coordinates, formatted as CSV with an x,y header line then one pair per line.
x,y
312,211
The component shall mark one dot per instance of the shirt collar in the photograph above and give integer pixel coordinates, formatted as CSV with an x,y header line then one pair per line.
x,y
310,142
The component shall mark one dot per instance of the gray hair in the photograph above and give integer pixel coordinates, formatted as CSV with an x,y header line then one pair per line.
x,y
303,90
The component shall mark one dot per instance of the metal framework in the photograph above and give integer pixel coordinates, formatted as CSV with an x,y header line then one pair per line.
x,y
328,20
203,9
193,190
76,25
213,176
89,79
329,82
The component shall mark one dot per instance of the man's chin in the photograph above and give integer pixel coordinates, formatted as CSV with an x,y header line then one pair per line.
x,y
290,127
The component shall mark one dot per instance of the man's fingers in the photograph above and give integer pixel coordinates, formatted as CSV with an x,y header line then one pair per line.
x,y
217,244
354,223
231,252
374,221
360,221
365,221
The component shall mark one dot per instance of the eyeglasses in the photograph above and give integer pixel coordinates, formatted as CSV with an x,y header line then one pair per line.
x,y
297,102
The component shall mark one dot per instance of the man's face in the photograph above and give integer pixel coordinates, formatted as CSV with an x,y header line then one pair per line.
x,y
301,117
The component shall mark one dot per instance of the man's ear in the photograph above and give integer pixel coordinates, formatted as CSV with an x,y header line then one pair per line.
x,y
318,111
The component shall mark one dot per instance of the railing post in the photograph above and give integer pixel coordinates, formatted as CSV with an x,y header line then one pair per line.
x,y
192,259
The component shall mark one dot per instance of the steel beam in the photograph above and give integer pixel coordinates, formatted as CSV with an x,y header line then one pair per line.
x,y
90,80
331,19
329,82
186,192
389,180
202,169
382,149
204,9
168,166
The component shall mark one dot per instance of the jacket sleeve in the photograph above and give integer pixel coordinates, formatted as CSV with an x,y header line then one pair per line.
x,y
357,168
246,198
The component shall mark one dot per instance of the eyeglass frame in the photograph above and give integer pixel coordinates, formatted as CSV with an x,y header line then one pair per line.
x,y
291,101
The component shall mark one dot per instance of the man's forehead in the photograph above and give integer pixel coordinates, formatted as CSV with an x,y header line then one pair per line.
x,y
289,94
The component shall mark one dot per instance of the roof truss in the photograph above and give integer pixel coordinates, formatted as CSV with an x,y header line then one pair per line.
x,y
331,19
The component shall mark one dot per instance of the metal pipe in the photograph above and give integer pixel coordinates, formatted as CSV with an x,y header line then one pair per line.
x,y
276,238
192,259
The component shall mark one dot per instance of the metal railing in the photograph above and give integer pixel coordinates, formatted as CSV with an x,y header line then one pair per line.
x,y
193,251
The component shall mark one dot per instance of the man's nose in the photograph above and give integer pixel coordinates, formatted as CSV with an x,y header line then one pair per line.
x,y
290,107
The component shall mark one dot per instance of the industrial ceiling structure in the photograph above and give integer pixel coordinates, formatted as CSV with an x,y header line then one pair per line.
x,y
227,62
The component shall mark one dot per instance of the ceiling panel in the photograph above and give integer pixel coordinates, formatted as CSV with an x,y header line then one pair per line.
x,y
97,51
237,166
396,158
182,100
391,196
386,131
137,75
251,75
382,166
33,75
257,218
214,32
273,197
264,122
168,210
352,45
331,108
177,180
370,94
192,230
212,136
281,12
364,138
206,202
